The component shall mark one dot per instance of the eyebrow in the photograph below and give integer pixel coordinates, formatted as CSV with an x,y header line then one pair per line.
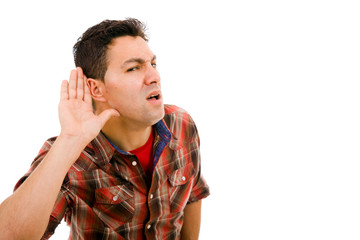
x,y
137,60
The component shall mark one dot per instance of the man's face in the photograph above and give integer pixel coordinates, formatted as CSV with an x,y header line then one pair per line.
x,y
132,83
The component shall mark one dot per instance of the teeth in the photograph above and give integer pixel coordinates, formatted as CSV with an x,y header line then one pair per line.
x,y
153,96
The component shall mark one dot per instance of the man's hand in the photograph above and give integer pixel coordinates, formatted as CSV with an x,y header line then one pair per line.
x,y
30,207
76,115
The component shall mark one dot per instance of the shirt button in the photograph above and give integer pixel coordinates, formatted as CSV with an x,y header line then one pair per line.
x,y
151,196
134,163
115,198
183,178
148,226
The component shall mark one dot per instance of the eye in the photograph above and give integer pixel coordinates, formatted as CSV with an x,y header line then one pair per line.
x,y
153,65
132,69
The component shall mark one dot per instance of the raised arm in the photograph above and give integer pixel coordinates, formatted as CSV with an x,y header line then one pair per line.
x,y
25,214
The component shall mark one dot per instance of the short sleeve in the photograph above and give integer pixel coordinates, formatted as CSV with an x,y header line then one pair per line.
x,y
59,210
200,189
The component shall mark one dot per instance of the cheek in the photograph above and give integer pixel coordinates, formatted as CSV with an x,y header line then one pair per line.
x,y
123,90
123,96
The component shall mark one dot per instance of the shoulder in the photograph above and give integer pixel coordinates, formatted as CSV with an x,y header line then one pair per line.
x,y
180,124
178,119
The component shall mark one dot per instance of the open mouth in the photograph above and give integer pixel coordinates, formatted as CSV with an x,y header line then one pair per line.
x,y
154,96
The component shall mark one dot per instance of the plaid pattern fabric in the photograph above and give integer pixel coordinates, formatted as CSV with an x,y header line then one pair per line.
x,y
105,194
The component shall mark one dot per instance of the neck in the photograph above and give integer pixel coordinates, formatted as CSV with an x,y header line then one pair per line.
x,y
125,136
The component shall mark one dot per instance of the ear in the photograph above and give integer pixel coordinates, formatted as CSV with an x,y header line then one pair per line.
x,y
96,88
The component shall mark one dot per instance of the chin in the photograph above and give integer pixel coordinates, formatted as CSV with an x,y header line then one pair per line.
x,y
156,118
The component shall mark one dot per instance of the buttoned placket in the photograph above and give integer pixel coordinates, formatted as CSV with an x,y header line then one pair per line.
x,y
159,145
134,169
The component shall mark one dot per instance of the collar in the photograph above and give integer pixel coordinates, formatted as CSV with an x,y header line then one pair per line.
x,y
104,149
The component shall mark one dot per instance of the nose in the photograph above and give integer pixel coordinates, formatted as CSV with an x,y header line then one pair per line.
x,y
152,75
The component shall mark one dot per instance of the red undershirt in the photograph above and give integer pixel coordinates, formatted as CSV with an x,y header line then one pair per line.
x,y
145,155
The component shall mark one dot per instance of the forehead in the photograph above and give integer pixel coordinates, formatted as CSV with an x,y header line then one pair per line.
x,y
127,47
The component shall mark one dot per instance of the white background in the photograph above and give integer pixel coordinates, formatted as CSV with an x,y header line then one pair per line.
x,y
272,85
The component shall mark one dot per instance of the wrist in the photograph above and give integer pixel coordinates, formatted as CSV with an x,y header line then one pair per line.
x,y
65,151
73,140
73,145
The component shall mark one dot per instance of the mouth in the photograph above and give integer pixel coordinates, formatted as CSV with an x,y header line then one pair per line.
x,y
157,97
154,96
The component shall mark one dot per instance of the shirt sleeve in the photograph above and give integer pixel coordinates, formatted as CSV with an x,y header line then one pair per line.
x,y
200,189
59,210
61,205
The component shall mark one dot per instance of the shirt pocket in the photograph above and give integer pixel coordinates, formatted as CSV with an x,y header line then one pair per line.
x,y
115,205
181,181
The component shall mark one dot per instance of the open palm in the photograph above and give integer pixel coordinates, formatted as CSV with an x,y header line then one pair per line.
x,y
75,109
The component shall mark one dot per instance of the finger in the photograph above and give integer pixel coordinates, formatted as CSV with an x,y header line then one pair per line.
x,y
72,84
107,114
80,84
64,94
87,95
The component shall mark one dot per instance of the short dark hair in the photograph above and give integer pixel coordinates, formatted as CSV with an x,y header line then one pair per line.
x,y
90,49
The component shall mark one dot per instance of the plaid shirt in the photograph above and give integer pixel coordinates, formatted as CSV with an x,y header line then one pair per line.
x,y
105,194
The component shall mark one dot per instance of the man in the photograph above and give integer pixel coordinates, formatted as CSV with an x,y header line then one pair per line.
x,y
124,166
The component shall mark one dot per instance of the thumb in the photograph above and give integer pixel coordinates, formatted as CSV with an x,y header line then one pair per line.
x,y
107,114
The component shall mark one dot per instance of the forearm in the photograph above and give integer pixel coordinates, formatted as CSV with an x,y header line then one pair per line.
x,y
25,214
